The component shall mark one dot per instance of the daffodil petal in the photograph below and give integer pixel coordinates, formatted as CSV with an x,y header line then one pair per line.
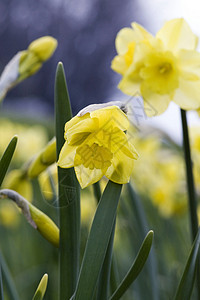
x,y
110,117
176,34
119,64
141,33
123,39
121,168
87,176
66,157
154,104
187,96
75,120
189,62
79,131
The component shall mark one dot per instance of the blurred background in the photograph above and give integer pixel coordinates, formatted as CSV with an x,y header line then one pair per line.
x,y
86,32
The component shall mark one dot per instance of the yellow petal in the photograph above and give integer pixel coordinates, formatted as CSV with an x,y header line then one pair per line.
x,y
187,96
176,34
78,132
124,37
189,63
110,117
119,64
141,33
154,104
121,168
66,157
87,176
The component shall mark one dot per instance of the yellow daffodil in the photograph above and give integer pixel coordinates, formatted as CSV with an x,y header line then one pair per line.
x,y
96,145
163,68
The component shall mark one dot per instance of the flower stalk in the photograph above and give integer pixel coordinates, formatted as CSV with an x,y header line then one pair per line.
x,y
190,179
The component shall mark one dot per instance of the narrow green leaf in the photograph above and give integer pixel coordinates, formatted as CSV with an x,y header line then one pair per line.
x,y
1,286
41,289
9,284
136,267
104,278
186,284
98,240
139,214
69,196
6,158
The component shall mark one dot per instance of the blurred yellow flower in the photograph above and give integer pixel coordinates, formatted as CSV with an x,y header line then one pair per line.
x,y
96,145
32,138
162,68
9,216
166,188
17,181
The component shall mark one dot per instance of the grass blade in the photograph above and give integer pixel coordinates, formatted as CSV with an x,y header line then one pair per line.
x,y
6,158
186,284
1,286
135,268
9,284
98,240
69,196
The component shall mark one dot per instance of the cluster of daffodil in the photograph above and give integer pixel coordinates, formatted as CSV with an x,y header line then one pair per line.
x,y
163,68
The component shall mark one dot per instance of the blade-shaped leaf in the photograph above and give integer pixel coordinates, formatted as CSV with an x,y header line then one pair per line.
x,y
41,289
186,284
9,284
136,267
6,158
97,243
69,196
1,286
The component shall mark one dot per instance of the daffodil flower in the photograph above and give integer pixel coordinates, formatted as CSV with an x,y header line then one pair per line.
x,y
96,145
163,68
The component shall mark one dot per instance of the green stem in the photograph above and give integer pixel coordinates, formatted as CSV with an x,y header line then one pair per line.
x,y
192,202
190,180
69,197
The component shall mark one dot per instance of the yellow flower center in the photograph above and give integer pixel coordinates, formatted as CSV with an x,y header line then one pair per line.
x,y
160,72
165,68
93,157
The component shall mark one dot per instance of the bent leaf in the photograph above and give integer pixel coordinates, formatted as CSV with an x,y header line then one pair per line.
x,y
136,267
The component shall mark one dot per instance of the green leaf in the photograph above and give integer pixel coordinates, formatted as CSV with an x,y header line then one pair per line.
x,y
6,158
135,268
1,286
151,266
104,278
69,196
41,289
9,284
186,284
98,241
